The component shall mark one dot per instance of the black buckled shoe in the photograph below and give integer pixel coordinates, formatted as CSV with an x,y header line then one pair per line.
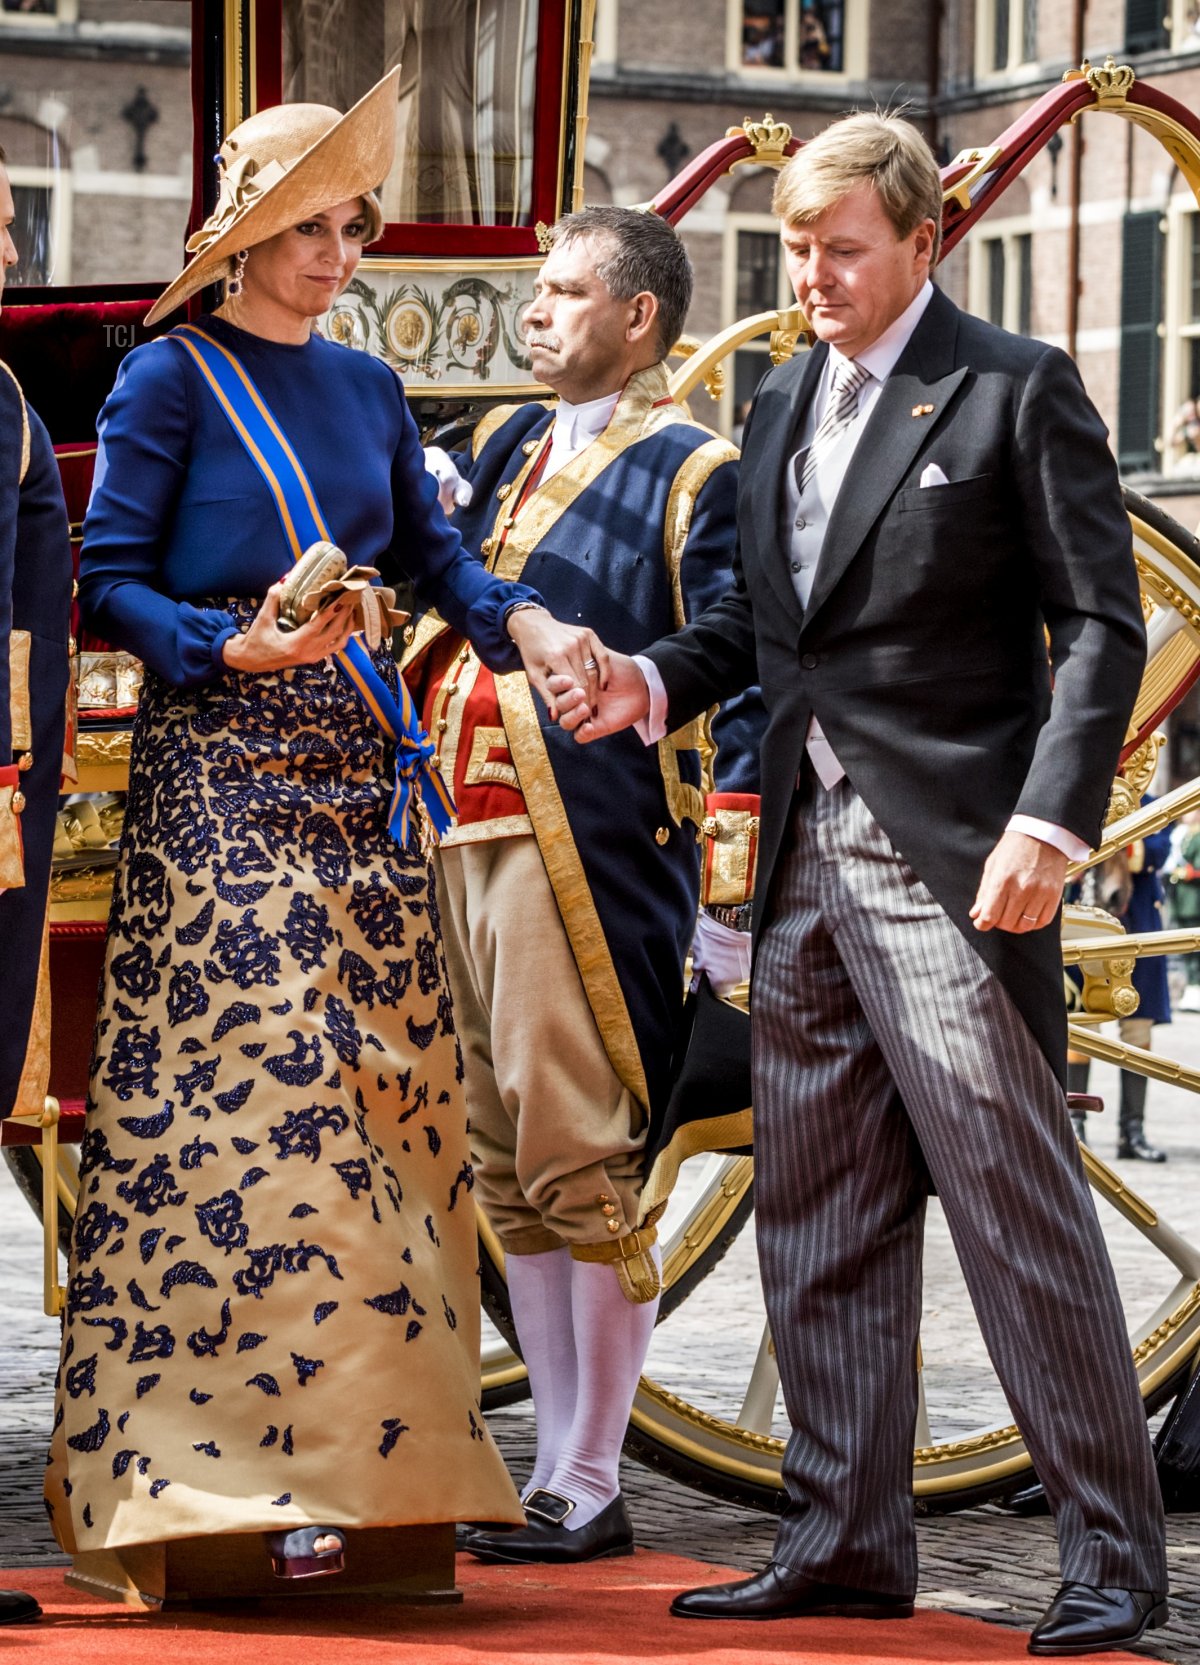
x,y
780,1593
16,1608
1081,1619
549,1537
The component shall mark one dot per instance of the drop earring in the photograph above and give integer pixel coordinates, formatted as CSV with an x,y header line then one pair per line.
x,y
233,283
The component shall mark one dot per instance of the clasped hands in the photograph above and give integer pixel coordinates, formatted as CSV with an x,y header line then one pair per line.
x,y
568,656
1022,881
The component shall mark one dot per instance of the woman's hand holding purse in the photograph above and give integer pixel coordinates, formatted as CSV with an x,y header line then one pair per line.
x,y
265,647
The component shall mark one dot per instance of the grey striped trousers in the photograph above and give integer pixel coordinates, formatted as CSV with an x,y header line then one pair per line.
x,y
886,1052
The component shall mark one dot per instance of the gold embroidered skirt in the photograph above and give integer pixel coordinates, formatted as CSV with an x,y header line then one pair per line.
x,y
273,1304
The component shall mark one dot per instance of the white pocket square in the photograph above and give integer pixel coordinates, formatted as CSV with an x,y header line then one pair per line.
x,y
932,475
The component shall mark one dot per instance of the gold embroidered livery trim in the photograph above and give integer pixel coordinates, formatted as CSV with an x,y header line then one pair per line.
x,y
426,632
718,1133
20,643
480,768
634,418
684,802
26,441
482,832
694,474
569,883
493,420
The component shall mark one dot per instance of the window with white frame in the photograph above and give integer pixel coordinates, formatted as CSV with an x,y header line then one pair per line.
x,y
37,11
1005,35
1001,279
1184,23
1181,334
798,37
604,32
33,233
755,281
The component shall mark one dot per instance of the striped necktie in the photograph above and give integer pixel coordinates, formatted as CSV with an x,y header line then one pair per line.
x,y
840,412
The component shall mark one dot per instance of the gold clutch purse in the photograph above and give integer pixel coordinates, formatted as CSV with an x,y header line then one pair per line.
x,y
320,575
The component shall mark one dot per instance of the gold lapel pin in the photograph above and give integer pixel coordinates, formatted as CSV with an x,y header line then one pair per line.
x,y
922,410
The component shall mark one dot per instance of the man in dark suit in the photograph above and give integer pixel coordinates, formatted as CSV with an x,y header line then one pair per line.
x,y
35,615
922,499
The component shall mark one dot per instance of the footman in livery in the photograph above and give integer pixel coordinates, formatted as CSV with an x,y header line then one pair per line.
x,y
568,891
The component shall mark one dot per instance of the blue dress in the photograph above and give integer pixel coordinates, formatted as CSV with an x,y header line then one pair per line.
x,y
273,1306
179,513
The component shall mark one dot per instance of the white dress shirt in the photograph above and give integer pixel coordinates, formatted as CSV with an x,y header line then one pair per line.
x,y
879,360
575,427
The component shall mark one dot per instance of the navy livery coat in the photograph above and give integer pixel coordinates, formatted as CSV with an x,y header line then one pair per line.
x,y
632,537
35,599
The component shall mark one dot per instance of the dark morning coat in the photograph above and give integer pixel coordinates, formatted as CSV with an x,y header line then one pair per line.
x,y
922,650
634,535
35,596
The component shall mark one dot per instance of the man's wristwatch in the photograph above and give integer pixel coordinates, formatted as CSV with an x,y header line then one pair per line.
x,y
736,915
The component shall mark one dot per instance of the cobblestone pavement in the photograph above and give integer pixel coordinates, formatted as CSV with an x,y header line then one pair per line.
x,y
981,1562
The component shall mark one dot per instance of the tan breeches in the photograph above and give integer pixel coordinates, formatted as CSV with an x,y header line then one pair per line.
x,y
555,1136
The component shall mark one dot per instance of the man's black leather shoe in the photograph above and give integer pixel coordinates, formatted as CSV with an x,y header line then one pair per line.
x,y
548,1536
16,1608
780,1593
1083,1620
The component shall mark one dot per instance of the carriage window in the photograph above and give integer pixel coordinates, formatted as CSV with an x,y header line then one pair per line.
x,y
464,120
97,127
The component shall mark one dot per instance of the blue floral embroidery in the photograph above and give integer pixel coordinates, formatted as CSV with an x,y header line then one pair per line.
x,y
187,998
220,1220
240,1012
134,973
204,1343
135,1052
392,1427
377,912
153,1188
306,932
299,1134
302,1065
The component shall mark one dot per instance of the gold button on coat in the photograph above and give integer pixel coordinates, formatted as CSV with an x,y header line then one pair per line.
x,y
662,835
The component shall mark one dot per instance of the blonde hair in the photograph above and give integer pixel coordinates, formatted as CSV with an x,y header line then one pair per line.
x,y
887,151
372,216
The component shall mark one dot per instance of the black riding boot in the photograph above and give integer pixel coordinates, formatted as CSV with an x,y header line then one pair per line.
x,y
1131,1135
1077,1082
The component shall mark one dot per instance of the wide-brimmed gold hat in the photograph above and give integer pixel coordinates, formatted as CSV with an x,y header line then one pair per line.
x,y
279,167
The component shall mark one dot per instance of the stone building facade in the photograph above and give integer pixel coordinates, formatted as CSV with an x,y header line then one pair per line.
x,y
95,117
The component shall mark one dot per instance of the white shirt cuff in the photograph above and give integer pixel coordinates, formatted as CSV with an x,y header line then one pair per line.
x,y
1066,842
652,729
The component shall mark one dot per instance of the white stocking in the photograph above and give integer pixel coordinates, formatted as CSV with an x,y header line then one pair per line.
x,y
539,1287
611,1339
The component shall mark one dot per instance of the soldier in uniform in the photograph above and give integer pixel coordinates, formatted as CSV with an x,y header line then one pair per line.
x,y
35,609
568,890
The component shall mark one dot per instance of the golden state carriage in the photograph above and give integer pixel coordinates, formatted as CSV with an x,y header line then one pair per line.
x,y
488,160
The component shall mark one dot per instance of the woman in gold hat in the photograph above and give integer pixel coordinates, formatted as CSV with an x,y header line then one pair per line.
x,y
273,1309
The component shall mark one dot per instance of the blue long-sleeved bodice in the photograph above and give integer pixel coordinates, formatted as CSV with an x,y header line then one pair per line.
x,y
179,512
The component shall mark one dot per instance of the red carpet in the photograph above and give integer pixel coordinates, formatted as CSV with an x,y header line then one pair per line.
x,y
604,1614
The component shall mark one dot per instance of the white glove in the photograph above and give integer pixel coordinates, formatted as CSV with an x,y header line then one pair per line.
x,y
453,491
721,953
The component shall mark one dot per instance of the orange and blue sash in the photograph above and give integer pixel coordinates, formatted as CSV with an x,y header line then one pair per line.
x,y
303,524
